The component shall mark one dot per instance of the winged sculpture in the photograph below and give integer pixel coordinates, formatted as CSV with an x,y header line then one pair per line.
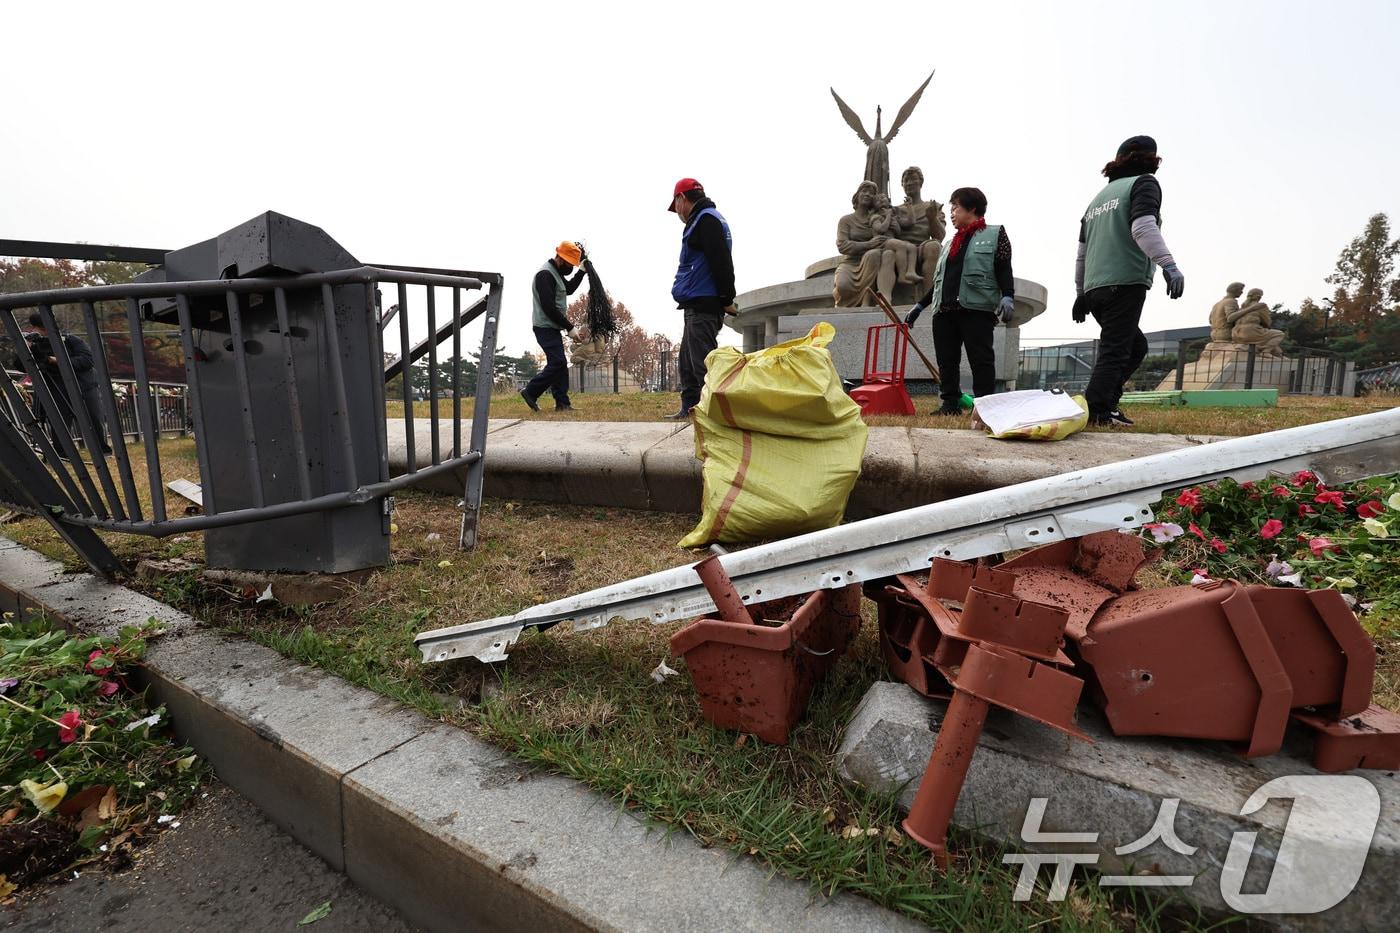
x,y
877,151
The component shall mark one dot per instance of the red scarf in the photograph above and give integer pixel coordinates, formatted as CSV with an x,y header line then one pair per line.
x,y
965,234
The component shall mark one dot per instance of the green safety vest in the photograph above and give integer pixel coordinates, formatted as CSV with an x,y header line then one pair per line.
x,y
1112,258
979,290
561,299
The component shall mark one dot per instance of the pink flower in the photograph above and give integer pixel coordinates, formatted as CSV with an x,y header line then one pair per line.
x,y
106,688
1191,527
39,754
1271,528
1305,510
1282,492
1331,497
1190,498
1370,509
1217,545
68,726
1162,532
1320,546
1247,484
1304,476
98,662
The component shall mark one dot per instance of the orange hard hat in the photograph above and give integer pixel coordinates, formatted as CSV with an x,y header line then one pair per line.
x,y
569,252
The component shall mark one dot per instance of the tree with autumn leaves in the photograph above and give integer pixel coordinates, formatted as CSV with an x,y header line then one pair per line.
x,y
637,353
1361,319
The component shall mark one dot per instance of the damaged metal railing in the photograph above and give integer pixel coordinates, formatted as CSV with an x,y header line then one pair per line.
x,y
52,460
1113,496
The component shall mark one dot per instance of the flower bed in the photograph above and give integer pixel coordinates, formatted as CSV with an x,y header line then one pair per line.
x,y
1293,531
85,768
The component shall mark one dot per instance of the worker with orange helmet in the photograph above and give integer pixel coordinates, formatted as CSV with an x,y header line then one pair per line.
x,y
551,297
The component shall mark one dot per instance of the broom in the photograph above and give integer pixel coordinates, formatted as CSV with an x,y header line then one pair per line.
x,y
601,325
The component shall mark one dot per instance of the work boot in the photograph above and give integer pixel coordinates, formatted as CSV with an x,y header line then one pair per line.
x,y
529,401
682,415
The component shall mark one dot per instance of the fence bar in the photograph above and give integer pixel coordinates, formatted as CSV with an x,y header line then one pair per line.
x,y
40,391
114,424
481,412
361,275
433,376
1250,357
150,433
34,429
616,386
194,403
283,509
376,386
245,397
456,372
1327,385
1181,365
92,439
407,374
279,297
342,401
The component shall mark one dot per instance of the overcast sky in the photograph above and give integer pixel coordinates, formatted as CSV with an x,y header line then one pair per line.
x,y
479,135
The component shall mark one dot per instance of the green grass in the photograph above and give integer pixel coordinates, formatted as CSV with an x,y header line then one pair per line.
x,y
584,705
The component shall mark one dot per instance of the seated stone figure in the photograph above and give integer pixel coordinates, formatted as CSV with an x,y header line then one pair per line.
x,y
1223,315
1252,326
921,225
884,221
865,261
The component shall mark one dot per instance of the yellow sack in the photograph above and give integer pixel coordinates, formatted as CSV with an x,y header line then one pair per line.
x,y
781,440
1052,430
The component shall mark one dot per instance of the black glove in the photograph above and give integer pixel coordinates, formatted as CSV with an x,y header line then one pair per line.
x,y
1080,311
1176,282
913,314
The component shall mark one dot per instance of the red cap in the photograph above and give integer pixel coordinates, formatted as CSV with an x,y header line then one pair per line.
x,y
682,186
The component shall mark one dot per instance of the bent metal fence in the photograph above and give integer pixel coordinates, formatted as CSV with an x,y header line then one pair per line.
x,y
52,441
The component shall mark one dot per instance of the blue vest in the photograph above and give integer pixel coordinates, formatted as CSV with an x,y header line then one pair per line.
x,y
693,277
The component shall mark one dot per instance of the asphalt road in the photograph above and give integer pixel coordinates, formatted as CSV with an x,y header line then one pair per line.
x,y
226,867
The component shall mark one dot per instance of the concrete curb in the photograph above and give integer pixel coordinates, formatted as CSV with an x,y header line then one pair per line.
x,y
446,829
1115,788
652,465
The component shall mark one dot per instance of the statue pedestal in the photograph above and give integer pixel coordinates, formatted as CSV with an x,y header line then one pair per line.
x,y
1225,365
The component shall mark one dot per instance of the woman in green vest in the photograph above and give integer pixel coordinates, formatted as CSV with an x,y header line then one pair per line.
x,y
973,289
1120,240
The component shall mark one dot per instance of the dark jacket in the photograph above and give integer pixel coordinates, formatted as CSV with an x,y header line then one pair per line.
x,y
708,238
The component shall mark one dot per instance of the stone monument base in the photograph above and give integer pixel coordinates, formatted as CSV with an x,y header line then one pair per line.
x,y
1226,366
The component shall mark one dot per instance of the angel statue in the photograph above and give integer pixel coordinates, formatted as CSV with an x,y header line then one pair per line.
x,y
877,150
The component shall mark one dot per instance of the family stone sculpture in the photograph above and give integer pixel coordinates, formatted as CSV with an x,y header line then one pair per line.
x,y
883,244
1233,327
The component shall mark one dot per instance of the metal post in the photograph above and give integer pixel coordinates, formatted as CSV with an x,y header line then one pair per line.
x,y
1180,365
279,296
433,376
616,384
485,379
1250,355
407,374
456,372
1327,384
194,401
342,402
245,399
91,439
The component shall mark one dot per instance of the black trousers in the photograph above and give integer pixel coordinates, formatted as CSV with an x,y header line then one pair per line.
x,y
701,335
555,375
1122,347
954,330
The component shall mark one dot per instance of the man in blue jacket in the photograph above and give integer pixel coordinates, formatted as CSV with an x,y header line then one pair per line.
x,y
704,286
